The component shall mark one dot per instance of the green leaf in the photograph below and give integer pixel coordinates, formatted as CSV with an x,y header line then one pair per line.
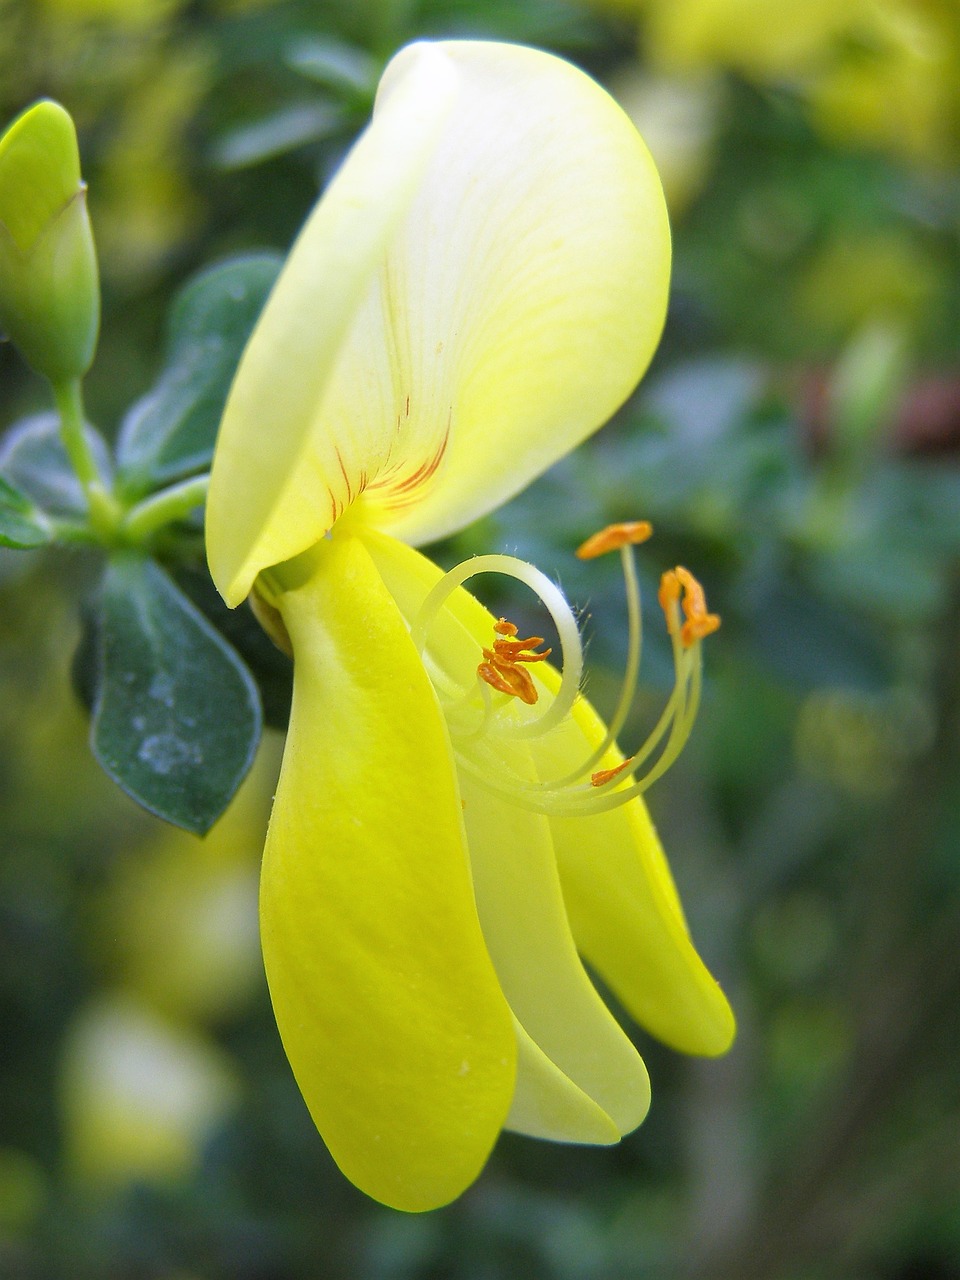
x,y
272,670
342,67
34,461
170,433
293,126
176,717
21,525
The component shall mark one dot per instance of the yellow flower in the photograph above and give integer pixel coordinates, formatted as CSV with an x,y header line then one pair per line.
x,y
481,286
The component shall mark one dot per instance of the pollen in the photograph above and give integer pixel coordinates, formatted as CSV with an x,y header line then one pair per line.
x,y
503,665
613,537
679,586
605,775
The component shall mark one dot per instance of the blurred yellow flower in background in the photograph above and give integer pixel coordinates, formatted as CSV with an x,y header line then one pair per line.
x,y
883,73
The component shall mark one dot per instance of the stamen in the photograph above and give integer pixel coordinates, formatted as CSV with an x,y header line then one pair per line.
x,y
504,670
603,776
613,537
679,585
507,678
561,613
500,669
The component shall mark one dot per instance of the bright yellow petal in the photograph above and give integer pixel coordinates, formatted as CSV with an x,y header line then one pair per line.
x,y
274,459
622,905
624,909
520,902
386,1000
481,287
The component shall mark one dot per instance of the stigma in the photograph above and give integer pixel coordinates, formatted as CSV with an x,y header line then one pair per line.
x,y
515,698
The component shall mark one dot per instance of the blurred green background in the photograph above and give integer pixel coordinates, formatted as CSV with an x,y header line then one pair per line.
x,y
796,443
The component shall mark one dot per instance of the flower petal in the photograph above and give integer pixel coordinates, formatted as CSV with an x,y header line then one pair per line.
x,y
526,930
547,1104
481,287
519,900
387,1003
624,909
524,293
274,458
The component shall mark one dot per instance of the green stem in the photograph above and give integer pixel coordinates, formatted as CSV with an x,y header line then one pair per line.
x,y
165,507
104,512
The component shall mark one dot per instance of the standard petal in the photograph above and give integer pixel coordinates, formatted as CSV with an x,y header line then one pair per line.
x,y
277,477
519,899
481,287
386,1000
624,909
523,295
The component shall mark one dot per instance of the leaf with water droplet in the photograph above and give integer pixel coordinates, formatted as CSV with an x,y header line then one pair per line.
x,y
170,432
176,715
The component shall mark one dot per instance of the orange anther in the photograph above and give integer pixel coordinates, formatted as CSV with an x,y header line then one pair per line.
x,y
680,585
516,650
694,601
501,667
698,628
604,775
669,595
613,537
508,679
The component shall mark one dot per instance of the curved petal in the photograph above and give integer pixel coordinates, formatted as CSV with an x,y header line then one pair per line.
x,y
519,900
527,934
274,462
624,909
481,287
523,296
386,1000
622,905
547,1104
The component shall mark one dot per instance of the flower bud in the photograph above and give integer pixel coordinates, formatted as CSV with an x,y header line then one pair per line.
x,y
49,285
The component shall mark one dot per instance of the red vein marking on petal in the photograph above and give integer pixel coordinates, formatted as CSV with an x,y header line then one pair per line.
x,y
343,472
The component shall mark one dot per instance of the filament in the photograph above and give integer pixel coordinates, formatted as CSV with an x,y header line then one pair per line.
x,y
572,795
556,605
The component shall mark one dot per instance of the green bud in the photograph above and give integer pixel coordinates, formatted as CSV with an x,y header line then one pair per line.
x,y
49,285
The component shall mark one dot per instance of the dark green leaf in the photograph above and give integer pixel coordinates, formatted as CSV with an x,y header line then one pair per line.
x,y
170,432
21,525
177,717
272,670
34,461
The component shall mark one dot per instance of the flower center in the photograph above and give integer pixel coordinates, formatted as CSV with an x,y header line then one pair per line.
x,y
487,710
502,666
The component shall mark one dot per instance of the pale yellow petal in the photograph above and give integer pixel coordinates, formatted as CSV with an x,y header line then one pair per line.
x,y
519,900
386,1000
624,909
547,1104
481,287
275,458
523,295
526,930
